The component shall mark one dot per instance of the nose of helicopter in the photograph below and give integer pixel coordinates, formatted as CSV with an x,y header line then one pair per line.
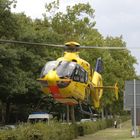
x,y
49,84
52,77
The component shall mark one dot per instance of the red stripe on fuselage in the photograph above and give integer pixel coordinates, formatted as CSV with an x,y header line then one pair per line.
x,y
55,91
56,94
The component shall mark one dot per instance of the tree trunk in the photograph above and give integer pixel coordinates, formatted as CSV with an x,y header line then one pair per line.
x,y
7,112
2,113
72,114
68,116
106,113
103,117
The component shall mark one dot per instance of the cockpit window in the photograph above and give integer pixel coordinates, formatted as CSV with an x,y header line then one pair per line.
x,y
49,66
80,75
65,69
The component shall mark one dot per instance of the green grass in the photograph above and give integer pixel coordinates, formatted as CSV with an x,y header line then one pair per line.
x,y
123,133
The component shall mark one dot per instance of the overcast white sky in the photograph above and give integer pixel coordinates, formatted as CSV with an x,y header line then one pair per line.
x,y
113,17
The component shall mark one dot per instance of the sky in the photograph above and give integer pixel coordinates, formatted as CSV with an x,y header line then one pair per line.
x,y
113,18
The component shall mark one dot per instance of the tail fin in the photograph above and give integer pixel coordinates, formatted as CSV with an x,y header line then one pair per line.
x,y
99,65
97,92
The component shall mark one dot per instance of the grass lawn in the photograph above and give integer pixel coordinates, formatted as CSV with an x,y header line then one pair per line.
x,y
123,133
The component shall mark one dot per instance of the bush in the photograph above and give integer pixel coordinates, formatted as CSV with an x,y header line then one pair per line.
x,y
40,131
55,130
92,127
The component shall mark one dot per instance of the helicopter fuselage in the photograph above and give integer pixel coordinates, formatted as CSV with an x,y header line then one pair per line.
x,y
67,78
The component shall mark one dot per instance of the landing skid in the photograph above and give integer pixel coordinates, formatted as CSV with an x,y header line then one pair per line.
x,y
90,112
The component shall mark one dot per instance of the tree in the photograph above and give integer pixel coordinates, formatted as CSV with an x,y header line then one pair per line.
x,y
8,25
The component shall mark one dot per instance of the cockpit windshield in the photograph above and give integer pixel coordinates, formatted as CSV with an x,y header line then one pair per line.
x,y
65,69
49,66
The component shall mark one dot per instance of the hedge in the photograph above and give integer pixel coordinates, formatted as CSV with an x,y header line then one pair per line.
x,y
54,130
92,127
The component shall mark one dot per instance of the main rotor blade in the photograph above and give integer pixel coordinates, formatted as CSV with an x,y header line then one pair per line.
x,y
62,46
30,43
108,48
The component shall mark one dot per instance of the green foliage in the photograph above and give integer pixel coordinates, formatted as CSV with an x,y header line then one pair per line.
x,y
92,127
70,23
40,131
8,25
53,130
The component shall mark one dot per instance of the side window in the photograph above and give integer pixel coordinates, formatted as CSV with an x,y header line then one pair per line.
x,y
86,77
80,75
76,76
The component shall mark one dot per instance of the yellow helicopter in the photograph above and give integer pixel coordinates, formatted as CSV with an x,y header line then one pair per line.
x,y
71,80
